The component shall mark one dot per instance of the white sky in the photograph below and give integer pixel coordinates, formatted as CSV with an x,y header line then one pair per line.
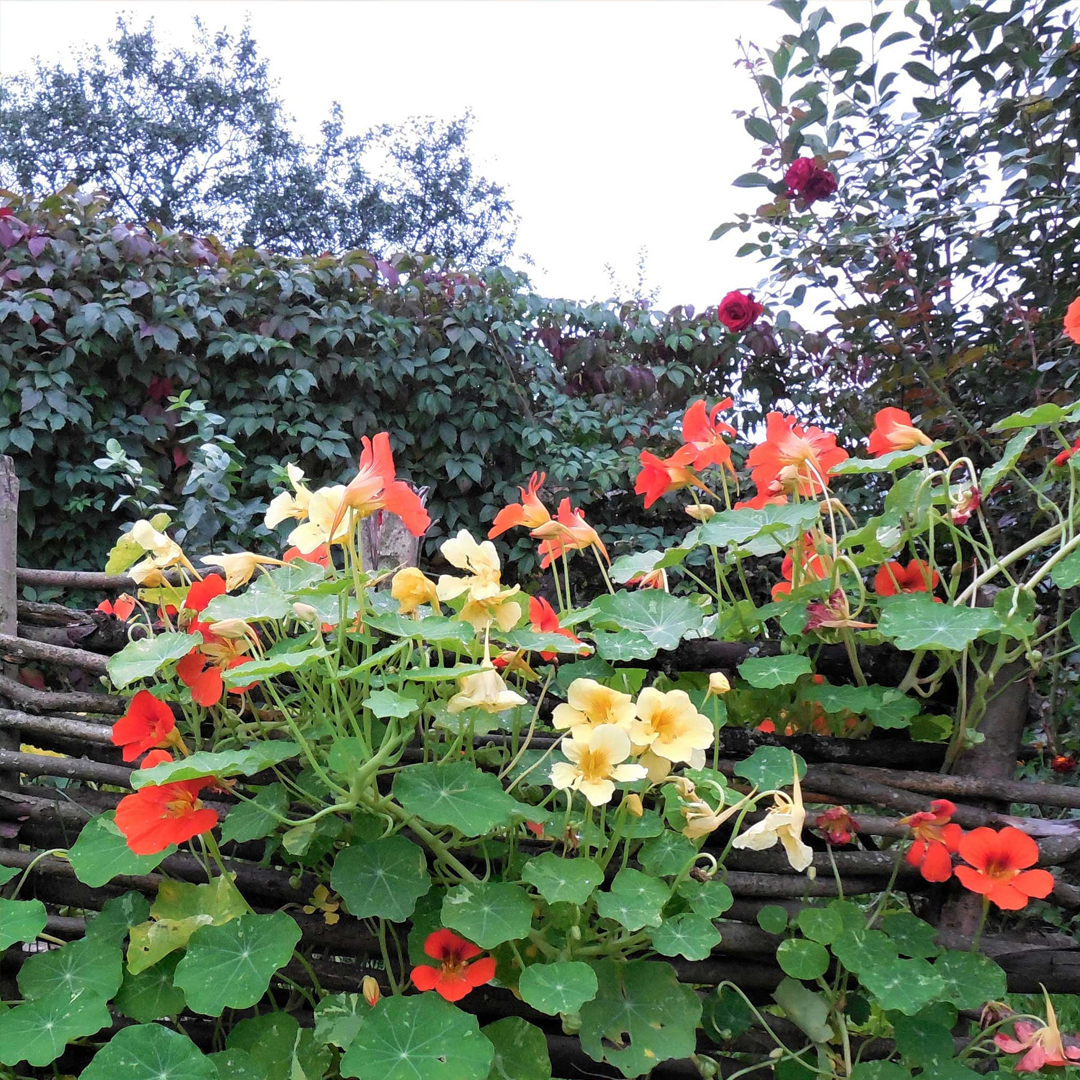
x,y
608,121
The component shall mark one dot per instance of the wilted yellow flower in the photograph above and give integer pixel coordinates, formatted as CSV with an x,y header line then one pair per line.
x,y
484,690
701,511
669,725
239,566
322,511
701,819
594,763
322,901
411,587
783,822
284,506
718,683
590,704
234,629
487,601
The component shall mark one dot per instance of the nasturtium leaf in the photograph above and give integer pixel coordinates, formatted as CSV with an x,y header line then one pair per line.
x,y
772,918
771,767
419,1037
387,703
802,959
887,707
925,1039
279,1047
860,948
880,1070
21,920
101,853
634,900
149,1052
592,668
562,987
86,968
903,985
151,995
38,1031
1066,574
536,641
804,1008
251,606
769,672
740,526
662,618
488,912
1009,457
970,979
457,794
338,1018
915,622
1039,416
890,462
521,1051
237,1065
141,659
820,924
7,873
623,645
274,664
666,855
912,936
118,916
689,935
725,1015
851,915
626,567
558,879
641,1016
381,879
230,966
258,818
1015,608
435,628
709,898
222,764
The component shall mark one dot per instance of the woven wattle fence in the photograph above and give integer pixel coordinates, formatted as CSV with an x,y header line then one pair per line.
x,y
45,800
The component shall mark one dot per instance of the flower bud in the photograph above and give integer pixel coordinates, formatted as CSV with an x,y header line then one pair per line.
x,y
305,612
718,683
633,805
701,511
370,989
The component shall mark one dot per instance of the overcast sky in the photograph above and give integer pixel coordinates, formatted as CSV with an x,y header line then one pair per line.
x,y
610,123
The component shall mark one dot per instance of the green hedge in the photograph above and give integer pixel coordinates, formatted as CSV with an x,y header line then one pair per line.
x,y
478,380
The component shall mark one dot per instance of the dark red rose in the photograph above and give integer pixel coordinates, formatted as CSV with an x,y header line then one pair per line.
x,y
738,311
808,180
798,175
820,186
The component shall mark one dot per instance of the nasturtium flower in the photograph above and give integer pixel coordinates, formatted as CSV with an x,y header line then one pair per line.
x,y
1063,457
669,725
285,505
320,556
783,822
544,619
815,567
156,816
567,531
1072,320
530,512
966,504
326,521
652,579
370,989
705,433
199,594
323,900
832,614
162,552
893,430
1041,1045
793,458
702,819
459,970
763,498
837,825
589,704
594,763
201,670
718,684
701,511
487,602
936,838
998,867
120,608
485,690
239,566
147,723
411,588
659,476
894,578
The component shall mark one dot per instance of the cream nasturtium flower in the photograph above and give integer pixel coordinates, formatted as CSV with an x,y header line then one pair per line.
x,y
484,690
590,704
783,822
162,552
702,819
487,602
659,768
322,512
411,587
285,505
669,725
239,566
594,763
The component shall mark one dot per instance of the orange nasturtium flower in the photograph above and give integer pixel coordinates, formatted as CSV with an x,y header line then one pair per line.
x,y
455,976
121,607
935,839
148,723
201,669
998,867
793,458
702,431
320,556
159,815
1067,453
658,476
893,430
530,512
544,619
815,567
893,578
762,499
1072,320
567,531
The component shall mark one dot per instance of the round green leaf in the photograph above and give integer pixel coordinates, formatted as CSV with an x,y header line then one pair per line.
x,y
666,855
279,1048
634,900
904,985
382,879
251,605
149,1052
623,645
860,948
771,767
820,924
21,920
141,659
970,979
226,763
662,618
802,959
272,664
338,1018
387,703
102,853
420,1037
84,969
562,987
879,1070
740,526
488,913
256,819
709,898
38,1031
151,995
772,918
521,1051
912,936
458,795
689,935
769,672
559,879
915,622
231,965
725,1015
236,1065
118,916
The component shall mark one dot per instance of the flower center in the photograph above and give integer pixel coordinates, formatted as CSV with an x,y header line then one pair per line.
x,y
997,872
594,765
453,967
183,803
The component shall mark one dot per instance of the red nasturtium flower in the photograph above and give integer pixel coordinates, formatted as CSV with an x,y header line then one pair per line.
x,y
1072,320
455,976
767,726
893,578
837,825
567,531
530,512
762,499
201,669
702,431
1063,764
807,180
832,614
793,458
544,619
652,579
815,567
1064,456
320,556
999,867
1040,1046
121,607
936,838
658,476
739,311
156,816
148,723
893,430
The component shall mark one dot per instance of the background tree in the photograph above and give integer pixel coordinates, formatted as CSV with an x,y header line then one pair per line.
x,y
195,137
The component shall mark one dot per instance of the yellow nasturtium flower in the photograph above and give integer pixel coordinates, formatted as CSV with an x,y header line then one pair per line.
x,y
239,566
411,587
484,690
487,601
669,725
783,822
590,704
285,505
594,763
322,512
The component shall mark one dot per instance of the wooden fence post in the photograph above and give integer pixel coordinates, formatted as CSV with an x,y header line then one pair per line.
x,y
9,523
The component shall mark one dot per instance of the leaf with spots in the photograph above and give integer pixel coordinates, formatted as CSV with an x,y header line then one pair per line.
x,y
87,968
802,959
769,672
916,622
913,936
691,936
562,987
970,979
820,924
382,879
634,900
903,985
641,1016
521,1051
338,1018
666,855
38,1031
230,966
223,764
151,995
118,916
488,913
21,920
560,880
141,659
771,767
662,618
237,1065
149,1052
279,1047
458,795
101,853
257,818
